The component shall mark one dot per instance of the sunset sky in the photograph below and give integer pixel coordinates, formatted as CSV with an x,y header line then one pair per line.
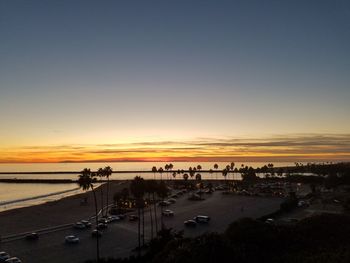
x,y
174,80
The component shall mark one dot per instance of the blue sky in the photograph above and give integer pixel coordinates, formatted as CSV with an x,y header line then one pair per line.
x,y
124,71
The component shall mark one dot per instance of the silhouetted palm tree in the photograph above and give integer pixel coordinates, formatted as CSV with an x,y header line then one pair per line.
x,y
224,173
162,191
166,168
100,174
154,170
86,181
160,170
149,191
216,167
108,172
137,188
232,167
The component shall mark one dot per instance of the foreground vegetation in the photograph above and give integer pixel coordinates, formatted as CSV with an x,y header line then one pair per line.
x,y
319,239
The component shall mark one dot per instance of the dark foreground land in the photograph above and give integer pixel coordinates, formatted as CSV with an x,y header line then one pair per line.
x,y
318,239
121,237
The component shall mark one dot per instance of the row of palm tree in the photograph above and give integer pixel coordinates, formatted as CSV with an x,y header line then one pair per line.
x,y
87,180
139,188
103,173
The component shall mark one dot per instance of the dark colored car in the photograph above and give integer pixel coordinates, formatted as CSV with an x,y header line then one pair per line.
x,y
190,223
133,217
32,236
101,226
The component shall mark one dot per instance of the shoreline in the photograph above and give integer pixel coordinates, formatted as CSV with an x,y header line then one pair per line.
x,y
52,213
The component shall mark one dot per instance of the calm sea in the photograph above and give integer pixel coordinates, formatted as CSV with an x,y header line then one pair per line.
x,y
19,195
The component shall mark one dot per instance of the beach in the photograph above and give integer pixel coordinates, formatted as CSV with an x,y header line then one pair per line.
x,y
64,211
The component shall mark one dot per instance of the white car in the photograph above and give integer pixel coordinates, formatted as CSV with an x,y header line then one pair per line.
x,y
13,260
4,256
111,219
201,219
171,201
79,225
168,212
71,239
270,221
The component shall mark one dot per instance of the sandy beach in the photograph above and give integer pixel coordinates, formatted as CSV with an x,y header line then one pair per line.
x,y
63,211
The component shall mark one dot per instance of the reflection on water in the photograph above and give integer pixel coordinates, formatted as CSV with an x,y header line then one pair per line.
x,y
20,195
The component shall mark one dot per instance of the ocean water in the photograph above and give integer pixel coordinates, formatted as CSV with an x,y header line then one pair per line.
x,y
19,195
121,166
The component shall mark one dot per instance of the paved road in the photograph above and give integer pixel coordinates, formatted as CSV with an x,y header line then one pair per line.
x,y
121,237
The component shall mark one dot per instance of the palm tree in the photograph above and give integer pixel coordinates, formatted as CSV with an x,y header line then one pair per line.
x,y
216,167
232,167
160,170
100,173
154,186
137,188
166,167
86,181
108,172
185,176
171,166
199,184
149,191
224,173
162,191
154,170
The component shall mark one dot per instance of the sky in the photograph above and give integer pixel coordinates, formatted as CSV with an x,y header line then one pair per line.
x,y
174,80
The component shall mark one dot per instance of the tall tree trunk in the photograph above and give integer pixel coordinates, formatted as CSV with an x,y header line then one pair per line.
x,y
101,190
150,213
143,224
155,213
107,194
97,237
161,216
139,230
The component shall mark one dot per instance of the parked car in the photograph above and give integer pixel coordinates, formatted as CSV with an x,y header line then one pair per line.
x,y
79,225
164,203
13,260
101,226
202,219
4,256
96,233
103,221
32,236
168,212
71,239
111,219
133,217
270,221
121,216
171,201
86,223
190,223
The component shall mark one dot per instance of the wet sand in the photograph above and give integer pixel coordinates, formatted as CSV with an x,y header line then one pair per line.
x,y
63,211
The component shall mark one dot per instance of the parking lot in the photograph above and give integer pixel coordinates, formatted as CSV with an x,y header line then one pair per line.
x,y
121,237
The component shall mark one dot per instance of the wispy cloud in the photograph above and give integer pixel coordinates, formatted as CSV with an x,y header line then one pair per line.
x,y
295,147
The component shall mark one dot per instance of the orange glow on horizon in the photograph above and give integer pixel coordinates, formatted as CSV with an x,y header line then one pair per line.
x,y
296,148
